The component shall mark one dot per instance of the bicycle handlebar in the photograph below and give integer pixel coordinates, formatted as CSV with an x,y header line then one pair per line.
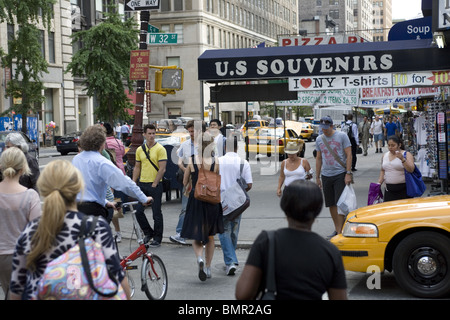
x,y
130,204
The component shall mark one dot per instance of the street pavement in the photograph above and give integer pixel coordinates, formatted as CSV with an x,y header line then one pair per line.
x,y
264,213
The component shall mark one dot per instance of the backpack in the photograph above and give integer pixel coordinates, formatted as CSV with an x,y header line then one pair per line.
x,y
235,199
348,129
80,273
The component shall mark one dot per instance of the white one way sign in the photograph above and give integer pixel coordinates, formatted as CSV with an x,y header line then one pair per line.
x,y
139,5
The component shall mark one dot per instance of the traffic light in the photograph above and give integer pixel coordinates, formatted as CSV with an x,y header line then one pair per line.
x,y
172,79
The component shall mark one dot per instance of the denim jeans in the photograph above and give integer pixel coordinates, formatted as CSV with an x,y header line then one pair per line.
x,y
156,194
184,201
228,240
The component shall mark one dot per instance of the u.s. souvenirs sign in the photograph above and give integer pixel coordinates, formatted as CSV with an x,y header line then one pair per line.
x,y
336,59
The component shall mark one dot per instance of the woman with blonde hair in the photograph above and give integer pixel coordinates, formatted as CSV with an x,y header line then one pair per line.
x,y
202,220
18,206
57,230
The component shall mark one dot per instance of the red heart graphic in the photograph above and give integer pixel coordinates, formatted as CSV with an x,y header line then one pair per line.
x,y
305,83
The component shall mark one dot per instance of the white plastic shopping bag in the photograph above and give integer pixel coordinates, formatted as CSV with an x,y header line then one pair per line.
x,y
347,201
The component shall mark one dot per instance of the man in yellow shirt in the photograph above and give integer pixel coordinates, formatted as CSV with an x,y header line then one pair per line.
x,y
151,160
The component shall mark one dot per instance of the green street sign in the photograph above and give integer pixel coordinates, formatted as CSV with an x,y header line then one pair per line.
x,y
162,38
152,29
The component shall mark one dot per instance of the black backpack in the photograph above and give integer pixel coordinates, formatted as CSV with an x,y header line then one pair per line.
x,y
348,129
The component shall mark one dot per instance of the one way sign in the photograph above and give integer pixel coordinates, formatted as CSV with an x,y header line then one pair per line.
x,y
139,5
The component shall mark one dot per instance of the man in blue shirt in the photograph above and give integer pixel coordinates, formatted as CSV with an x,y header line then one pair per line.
x,y
99,173
390,128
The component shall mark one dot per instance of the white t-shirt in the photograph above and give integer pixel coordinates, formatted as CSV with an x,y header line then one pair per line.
x,y
229,169
377,127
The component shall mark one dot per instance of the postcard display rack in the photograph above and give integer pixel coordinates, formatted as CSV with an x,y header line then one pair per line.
x,y
438,138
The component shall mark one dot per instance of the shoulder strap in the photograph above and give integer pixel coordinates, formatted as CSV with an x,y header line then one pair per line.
x,y
148,157
85,259
270,276
325,142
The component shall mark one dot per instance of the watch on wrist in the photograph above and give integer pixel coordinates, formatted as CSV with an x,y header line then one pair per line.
x,y
349,172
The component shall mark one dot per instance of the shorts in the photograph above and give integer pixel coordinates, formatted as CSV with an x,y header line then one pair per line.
x,y
332,188
378,137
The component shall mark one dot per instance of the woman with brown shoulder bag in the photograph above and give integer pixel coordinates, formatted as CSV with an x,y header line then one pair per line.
x,y
203,219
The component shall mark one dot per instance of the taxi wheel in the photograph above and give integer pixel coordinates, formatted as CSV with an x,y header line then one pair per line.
x,y
421,264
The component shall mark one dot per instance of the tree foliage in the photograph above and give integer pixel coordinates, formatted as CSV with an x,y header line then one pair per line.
x,y
104,64
24,56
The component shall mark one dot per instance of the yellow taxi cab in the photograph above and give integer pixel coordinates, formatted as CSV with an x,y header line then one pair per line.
x,y
171,138
269,140
307,131
253,125
409,237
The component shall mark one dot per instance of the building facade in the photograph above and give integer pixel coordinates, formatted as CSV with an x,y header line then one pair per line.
x,y
382,19
59,87
212,24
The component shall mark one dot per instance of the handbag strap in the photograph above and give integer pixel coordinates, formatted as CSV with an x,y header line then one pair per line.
x,y
82,236
270,276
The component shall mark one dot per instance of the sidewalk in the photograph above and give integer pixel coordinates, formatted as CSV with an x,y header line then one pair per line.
x,y
264,212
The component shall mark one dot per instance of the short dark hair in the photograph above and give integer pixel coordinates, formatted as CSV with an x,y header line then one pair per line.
x,y
219,123
109,128
396,139
302,201
191,124
149,126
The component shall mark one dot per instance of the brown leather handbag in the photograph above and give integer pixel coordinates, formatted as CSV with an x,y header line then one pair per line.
x,y
208,186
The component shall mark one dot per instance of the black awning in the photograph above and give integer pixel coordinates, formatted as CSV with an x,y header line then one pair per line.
x,y
355,58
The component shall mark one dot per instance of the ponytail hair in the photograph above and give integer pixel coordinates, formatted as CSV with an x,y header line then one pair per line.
x,y
59,183
14,162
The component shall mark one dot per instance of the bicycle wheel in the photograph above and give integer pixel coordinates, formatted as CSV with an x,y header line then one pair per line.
x,y
154,277
131,284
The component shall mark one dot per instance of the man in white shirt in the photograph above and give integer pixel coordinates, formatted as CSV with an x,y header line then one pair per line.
x,y
377,131
214,128
230,171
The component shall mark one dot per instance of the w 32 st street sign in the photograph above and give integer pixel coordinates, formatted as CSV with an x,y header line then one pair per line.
x,y
162,38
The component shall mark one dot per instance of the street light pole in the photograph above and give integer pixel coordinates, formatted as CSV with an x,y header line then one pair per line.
x,y
137,138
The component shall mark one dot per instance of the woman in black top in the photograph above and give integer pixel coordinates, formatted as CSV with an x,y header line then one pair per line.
x,y
306,265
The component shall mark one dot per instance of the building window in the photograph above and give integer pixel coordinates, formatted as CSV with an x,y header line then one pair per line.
x,y
48,106
51,47
173,61
178,28
178,5
42,42
165,5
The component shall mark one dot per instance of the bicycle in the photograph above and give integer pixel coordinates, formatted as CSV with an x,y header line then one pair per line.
x,y
154,278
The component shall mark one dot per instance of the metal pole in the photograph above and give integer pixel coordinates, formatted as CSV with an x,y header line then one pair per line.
x,y
137,138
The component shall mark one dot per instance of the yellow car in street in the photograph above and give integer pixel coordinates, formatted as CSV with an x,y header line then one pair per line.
x,y
172,138
307,131
253,125
410,237
268,141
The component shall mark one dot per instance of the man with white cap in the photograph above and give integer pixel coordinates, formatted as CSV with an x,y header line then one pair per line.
x,y
333,168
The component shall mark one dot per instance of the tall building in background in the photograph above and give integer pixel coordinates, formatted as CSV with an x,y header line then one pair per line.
x,y
366,18
382,19
213,24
